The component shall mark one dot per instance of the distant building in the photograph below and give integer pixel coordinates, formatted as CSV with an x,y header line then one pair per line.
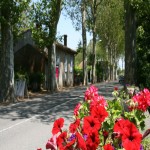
x,y
29,58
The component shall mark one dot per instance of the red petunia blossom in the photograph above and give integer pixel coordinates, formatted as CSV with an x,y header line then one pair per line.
x,y
76,110
51,144
39,149
90,93
90,123
98,100
80,142
115,88
108,147
69,145
73,126
93,140
131,138
58,124
142,99
105,133
99,112
147,95
61,140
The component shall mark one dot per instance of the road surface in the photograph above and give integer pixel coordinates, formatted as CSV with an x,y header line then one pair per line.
x,y
27,125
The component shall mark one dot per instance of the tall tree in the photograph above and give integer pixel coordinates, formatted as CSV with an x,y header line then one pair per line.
x,y
46,15
130,42
143,46
77,10
84,26
110,31
92,11
7,20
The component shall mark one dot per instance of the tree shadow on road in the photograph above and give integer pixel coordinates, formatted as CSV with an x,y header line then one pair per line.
x,y
50,107
44,109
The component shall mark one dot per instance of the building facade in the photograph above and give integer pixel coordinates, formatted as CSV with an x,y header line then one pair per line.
x,y
29,58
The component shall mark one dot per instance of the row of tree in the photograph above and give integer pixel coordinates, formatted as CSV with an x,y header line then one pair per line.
x,y
107,21
121,29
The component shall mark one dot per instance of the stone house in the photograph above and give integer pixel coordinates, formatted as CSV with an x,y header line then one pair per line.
x,y
28,57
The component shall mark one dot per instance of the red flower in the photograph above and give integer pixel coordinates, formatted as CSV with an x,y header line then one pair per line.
x,y
69,145
80,142
51,144
76,110
142,99
147,96
73,126
99,112
90,123
105,133
93,140
39,149
115,88
108,147
98,100
58,124
90,93
131,138
61,140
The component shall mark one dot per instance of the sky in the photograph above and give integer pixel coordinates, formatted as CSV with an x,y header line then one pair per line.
x,y
65,26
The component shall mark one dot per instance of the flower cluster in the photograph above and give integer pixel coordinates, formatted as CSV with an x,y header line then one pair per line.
x,y
129,134
142,100
101,124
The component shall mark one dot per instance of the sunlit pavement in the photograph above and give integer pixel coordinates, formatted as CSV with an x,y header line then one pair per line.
x,y
27,125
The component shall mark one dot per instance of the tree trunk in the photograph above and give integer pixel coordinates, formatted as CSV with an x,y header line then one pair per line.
x,y
51,68
94,57
7,64
55,15
109,62
115,71
130,43
94,17
84,44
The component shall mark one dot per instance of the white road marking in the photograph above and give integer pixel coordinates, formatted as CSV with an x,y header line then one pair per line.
x,y
10,127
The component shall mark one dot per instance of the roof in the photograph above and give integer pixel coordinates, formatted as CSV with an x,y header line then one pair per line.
x,y
26,39
65,48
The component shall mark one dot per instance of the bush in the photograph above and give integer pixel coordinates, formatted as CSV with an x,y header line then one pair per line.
x,y
78,76
35,80
21,76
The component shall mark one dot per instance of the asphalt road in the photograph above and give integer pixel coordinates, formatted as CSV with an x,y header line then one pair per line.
x,y
27,125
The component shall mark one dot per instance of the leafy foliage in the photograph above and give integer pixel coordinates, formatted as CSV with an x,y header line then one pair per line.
x,y
45,16
73,10
143,47
16,15
110,27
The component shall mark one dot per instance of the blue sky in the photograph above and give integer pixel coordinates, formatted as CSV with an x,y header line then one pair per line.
x,y
65,27
73,37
